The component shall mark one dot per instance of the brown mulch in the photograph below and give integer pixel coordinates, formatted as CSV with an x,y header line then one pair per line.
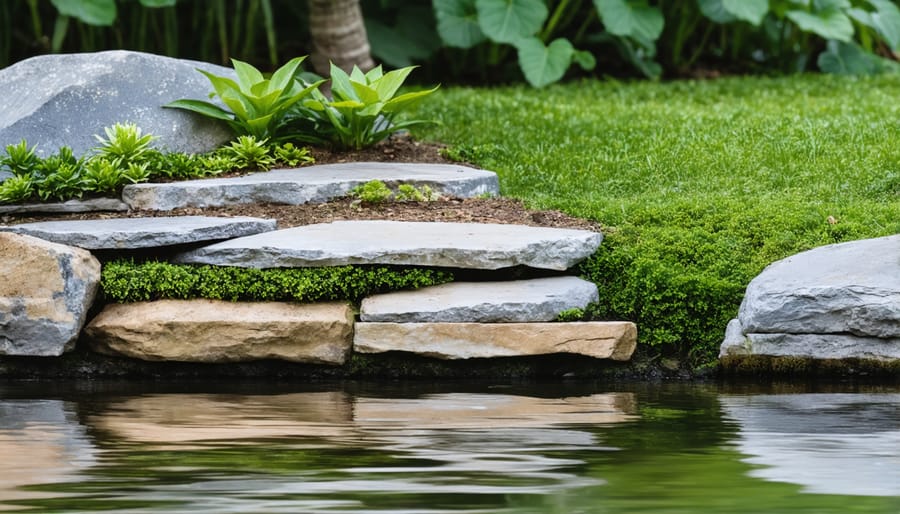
x,y
397,149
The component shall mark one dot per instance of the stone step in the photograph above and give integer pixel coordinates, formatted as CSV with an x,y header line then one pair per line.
x,y
540,299
456,245
218,331
601,340
131,233
68,207
311,184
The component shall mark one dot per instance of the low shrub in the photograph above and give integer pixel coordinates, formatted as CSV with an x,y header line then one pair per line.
x,y
126,281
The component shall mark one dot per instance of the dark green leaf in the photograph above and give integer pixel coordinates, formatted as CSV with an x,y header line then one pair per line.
x,y
544,65
716,11
158,3
886,20
457,23
92,12
751,11
829,24
851,59
634,18
507,21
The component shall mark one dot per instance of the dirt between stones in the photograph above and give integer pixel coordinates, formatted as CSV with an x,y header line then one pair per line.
x,y
396,149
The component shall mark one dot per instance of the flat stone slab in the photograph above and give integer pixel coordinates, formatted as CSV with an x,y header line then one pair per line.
x,y
310,184
217,331
540,299
810,346
602,340
129,233
848,288
92,205
455,245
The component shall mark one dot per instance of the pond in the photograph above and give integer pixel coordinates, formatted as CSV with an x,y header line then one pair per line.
x,y
448,448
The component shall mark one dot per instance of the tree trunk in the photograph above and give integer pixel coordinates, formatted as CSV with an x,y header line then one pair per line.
x,y
338,36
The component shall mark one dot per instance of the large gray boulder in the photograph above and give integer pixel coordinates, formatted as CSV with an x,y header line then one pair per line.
x,y
833,302
46,290
56,100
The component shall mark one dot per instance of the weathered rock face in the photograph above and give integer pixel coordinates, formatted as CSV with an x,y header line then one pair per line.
x,y
458,245
602,340
540,299
56,100
131,233
216,331
46,290
837,301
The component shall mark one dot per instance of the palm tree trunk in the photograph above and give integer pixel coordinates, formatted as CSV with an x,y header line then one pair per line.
x,y
338,35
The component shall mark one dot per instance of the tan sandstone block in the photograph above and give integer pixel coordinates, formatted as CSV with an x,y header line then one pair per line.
x,y
602,340
217,331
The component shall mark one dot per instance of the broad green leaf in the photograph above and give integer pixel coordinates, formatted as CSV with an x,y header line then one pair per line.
x,y
633,18
407,100
247,75
374,74
201,107
367,95
457,23
824,5
284,76
585,59
507,21
236,104
851,59
392,46
371,110
315,105
388,85
221,85
544,65
347,104
886,21
357,75
751,11
92,12
829,24
264,104
259,126
340,85
715,10
158,3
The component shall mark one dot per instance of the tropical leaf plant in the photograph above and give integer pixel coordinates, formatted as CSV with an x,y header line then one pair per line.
x,y
363,107
255,105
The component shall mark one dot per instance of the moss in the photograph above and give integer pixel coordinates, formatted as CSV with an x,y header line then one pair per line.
x,y
125,281
795,367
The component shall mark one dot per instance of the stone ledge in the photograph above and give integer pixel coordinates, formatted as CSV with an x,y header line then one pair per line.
x,y
217,331
601,340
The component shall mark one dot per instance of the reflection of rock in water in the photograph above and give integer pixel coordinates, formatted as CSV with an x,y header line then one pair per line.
x,y
40,442
829,443
426,441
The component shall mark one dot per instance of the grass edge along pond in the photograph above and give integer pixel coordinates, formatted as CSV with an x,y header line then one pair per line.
x,y
699,184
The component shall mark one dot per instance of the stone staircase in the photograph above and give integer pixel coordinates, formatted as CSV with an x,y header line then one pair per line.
x,y
453,321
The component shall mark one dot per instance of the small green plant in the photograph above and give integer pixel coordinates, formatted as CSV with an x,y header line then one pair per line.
x,y
62,183
16,189
569,315
124,144
249,152
364,106
373,191
257,106
291,155
20,159
409,193
102,176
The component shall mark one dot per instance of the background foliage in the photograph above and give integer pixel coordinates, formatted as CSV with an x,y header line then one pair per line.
x,y
540,41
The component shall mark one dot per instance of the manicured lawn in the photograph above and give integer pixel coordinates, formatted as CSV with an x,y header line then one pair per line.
x,y
700,184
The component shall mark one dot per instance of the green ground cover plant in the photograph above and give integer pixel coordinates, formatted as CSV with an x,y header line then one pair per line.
x,y
125,157
700,185
125,281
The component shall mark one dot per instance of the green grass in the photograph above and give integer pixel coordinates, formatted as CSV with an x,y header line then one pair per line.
x,y
700,184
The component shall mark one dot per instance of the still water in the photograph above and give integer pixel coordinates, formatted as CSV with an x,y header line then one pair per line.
x,y
448,448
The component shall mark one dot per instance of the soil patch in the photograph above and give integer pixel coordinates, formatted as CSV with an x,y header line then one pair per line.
x,y
396,149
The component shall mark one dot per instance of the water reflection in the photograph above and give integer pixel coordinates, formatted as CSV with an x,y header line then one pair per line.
x,y
829,443
413,449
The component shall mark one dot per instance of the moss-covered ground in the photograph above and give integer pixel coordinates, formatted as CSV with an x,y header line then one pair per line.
x,y
700,185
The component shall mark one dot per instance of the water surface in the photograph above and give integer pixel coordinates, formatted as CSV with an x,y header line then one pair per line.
x,y
448,448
